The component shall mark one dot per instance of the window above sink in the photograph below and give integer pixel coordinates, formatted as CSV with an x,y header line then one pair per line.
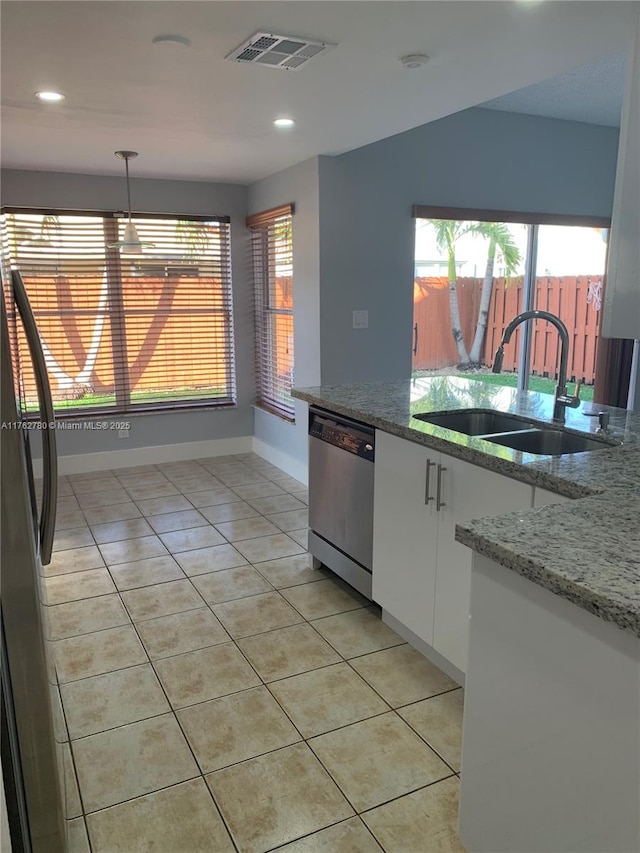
x,y
475,270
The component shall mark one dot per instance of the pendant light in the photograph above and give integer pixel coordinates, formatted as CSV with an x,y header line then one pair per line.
x,y
131,244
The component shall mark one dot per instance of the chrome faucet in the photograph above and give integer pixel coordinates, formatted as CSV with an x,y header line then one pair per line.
x,y
561,399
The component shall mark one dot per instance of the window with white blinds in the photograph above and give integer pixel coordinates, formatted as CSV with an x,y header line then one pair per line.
x,y
272,252
126,332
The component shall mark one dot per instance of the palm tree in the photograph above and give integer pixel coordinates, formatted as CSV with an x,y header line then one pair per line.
x,y
50,230
448,232
500,240
194,235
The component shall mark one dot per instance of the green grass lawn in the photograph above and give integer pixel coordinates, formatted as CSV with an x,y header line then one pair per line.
x,y
536,383
140,397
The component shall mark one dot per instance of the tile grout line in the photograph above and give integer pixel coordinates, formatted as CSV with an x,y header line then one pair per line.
x,y
153,661
329,826
179,723
390,709
263,683
186,740
173,711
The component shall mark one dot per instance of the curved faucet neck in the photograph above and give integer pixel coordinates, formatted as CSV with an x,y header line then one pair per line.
x,y
533,315
561,399
562,332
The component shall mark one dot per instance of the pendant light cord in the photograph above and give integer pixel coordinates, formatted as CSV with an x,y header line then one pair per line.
x,y
126,166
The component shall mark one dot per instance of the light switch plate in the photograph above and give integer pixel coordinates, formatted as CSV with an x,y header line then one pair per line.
x,y
361,319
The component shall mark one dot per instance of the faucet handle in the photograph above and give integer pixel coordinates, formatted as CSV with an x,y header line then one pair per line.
x,y
572,400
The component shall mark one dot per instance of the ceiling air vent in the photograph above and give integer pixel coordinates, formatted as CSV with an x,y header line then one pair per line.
x,y
272,51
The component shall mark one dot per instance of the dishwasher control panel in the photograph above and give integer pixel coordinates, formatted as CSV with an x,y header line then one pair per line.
x,y
348,436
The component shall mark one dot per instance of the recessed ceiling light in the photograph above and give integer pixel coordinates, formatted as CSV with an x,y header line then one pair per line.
x,y
284,122
50,96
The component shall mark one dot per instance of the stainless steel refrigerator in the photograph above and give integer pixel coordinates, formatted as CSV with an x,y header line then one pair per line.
x,y
32,746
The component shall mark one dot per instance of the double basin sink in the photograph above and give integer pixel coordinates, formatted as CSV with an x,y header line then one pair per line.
x,y
515,432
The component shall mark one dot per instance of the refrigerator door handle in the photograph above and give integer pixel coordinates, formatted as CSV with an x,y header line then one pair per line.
x,y
45,402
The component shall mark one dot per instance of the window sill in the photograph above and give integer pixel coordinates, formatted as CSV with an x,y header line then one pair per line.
x,y
137,412
281,417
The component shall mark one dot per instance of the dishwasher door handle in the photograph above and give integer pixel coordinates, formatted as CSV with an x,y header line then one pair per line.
x,y
427,484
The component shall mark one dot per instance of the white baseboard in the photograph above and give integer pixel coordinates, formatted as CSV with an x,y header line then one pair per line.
x,y
294,467
103,461
110,459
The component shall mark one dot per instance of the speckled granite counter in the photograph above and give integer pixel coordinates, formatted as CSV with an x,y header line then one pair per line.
x,y
587,551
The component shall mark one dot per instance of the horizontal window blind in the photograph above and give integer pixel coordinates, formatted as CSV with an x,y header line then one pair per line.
x,y
272,255
126,332
426,211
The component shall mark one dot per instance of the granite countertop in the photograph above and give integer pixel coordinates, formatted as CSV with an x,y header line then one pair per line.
x,y
586,550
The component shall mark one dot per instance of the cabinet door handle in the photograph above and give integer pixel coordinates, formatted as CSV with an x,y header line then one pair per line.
x,y
439,502
427,487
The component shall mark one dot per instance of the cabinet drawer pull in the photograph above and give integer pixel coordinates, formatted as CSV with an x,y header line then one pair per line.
x,y
427,487
439,502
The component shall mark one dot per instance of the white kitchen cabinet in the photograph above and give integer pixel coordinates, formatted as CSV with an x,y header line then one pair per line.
x,y
466,492
541,497
621,309
405,530
421,575
551,710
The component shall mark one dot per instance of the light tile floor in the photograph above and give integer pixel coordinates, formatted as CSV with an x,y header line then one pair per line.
x,y
219,693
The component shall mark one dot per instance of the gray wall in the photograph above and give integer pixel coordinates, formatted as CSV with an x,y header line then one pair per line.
x,y
92,192
356,250
476,158
353,243
299,185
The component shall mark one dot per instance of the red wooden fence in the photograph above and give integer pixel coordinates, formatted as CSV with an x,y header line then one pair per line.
x,y
575,299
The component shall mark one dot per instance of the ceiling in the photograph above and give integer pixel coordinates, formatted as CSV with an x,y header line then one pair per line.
x,y
591,93
194,115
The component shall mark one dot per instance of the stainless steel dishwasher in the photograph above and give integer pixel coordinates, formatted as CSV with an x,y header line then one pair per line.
x,y
341,475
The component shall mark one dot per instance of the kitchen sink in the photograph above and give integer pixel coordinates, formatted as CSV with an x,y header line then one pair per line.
x,y
548,442
475,422
514,431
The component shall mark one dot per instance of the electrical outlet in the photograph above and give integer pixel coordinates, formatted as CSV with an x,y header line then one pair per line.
x,y
123,433
361,319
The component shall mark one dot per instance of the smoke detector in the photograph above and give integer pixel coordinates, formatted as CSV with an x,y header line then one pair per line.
x,y
414,60
288,53
173,43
